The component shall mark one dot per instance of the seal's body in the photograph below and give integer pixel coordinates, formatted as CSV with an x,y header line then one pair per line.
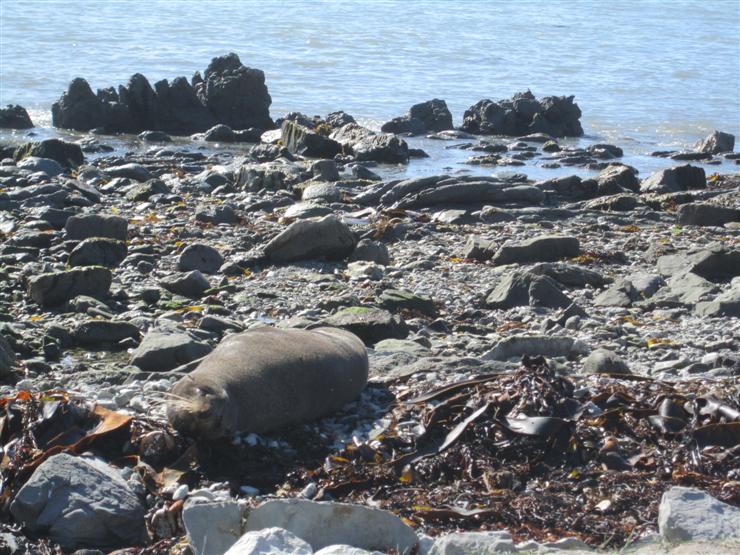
x,y
264,379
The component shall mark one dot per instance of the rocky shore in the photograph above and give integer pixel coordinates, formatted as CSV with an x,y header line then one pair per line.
x,y
553,364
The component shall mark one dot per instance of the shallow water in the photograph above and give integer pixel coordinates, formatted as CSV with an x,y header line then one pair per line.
x,y
647,75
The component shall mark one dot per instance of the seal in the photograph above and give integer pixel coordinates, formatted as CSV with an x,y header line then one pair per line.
x,y
268,378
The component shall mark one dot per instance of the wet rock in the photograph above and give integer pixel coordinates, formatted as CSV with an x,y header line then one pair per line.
x,y
545,248
96,225
557,116
325,170
98,251
571,187
321,192
15,117
271,541
615,179
674,180
155,137
192,284
716,142
67,154
365,145
47,165
325,524
432,115
328,238
369,324
371,251
473,193
361,172
80,502
96,333
532,345
307,142
616,203
164,349
339,119
220,133
704,214
691,514
55,288
603,361
201,257
213,527
396,299
480,543
78,108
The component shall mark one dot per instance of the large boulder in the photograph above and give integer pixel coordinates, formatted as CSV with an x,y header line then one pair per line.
x,y
68,154
691,514
545,248
557,116
78,108
98,251
675,180
55,288
80,502
432,115
306,142
164,349
716,142
704,214
15,117
369,324
365,145
85,226
328,238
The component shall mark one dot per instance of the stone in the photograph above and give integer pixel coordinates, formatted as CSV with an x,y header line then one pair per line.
x,y
80,502
396,299
7,357
531,345
473,193
15,117
674,180
134,171
371,251
545,248
271,541
570,275
620,293
306,210
220,134
604,361
78,108
367,146
369,324
687,514
192,284
479,248
55,288
98,251
321,192
96,225
47,165
726,303
615,179
716,142
478,543
165,349
67,154
143,191
400,346
306,142
155,137
557,116
213,527
201,257
432,115
704,214
361,172
323,524
526,288
328,238
95,333
325,170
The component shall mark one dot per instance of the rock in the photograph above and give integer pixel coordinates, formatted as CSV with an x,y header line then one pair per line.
x,y
321,192
164,349
545,248
155,137
236,95
557,116
570,275
571,187
603,361
473,193
396,299
95,333
134,171
479,543
687,514
47,165
620,293
674,180
192,284
369,324
201,257
67,154
526,288
479,248
96,225
328,238
55,288
306,210
726,303
7,357
325,170
616,203
220,134
432,115
531,345
361,172
306,142
365,145
15,117
387,346
223,214
716,263
371,251
715,143
362,269
325,524
213,527
80,502
705,214
271,541
144,191
615,179
78,108
98,251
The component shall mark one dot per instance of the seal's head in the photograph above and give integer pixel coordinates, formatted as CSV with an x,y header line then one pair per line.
x,y
198,409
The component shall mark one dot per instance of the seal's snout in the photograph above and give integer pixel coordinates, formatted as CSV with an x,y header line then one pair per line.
x,y
199,413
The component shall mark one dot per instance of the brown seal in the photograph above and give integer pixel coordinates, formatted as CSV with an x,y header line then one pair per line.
x,y
268,378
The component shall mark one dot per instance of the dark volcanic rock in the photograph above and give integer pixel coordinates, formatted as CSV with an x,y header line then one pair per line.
x,y
716,142
98,251
200,257
166,349
96,225
369,324
557,116
675,180
104,332
306,142
78,108
67,154
56,288
192,284
432,115
15,117
328,238
706,214
365,145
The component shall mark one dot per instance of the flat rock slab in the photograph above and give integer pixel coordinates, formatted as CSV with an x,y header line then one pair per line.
x,y
325,524
163,350
531,345
691,514
96,225
369,324
213,527
80,502
480,543
546,248
56,288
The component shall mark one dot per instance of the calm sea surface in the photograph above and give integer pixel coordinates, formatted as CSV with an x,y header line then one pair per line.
x,y
646,74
